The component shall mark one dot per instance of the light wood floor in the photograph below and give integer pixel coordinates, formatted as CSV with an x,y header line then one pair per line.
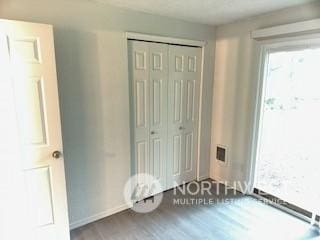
x,y
238,217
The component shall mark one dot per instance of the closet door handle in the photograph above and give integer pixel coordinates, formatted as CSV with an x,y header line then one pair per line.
x,y
181,128
153,132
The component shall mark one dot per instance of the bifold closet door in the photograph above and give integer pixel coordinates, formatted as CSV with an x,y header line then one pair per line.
x,y
183,113
149,78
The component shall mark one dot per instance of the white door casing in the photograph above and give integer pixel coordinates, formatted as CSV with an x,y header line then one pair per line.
x,y
31,62
148,63
183,113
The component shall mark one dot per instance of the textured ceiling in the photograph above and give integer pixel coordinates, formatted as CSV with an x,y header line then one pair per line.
x,y
211,12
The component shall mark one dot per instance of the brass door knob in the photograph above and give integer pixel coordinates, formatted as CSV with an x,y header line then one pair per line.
x,y
56,154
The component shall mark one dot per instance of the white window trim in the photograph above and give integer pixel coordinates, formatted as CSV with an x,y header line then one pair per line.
x,y
297,28
265,48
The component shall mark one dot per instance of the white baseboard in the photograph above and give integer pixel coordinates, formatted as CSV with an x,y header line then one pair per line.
x,y
201,178
226,183
98,216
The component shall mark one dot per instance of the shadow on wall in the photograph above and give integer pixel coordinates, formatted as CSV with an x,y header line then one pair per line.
x,y
82,88
233,92
245,91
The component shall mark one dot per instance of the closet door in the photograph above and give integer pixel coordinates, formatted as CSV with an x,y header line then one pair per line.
x,y
149,76
183,113
158,110
139,81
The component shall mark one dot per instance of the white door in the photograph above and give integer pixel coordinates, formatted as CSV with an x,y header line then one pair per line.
x,y
158,110
28,55
183,113
148,64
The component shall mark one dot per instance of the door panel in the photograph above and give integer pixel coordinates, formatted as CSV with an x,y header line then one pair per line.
x,y
183,113
157,60
192,64
177,154
139,70
158,110
178,100
25,49
190,100
189,152
141,103
142,156
32,70
179,59
155,163
39,186
35,115
148,63
157,87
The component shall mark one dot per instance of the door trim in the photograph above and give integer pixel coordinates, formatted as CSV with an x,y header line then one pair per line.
x,y
264,48
163,39
172,41
280,207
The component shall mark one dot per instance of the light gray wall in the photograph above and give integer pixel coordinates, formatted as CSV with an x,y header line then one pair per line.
x,y
235,88
94,96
